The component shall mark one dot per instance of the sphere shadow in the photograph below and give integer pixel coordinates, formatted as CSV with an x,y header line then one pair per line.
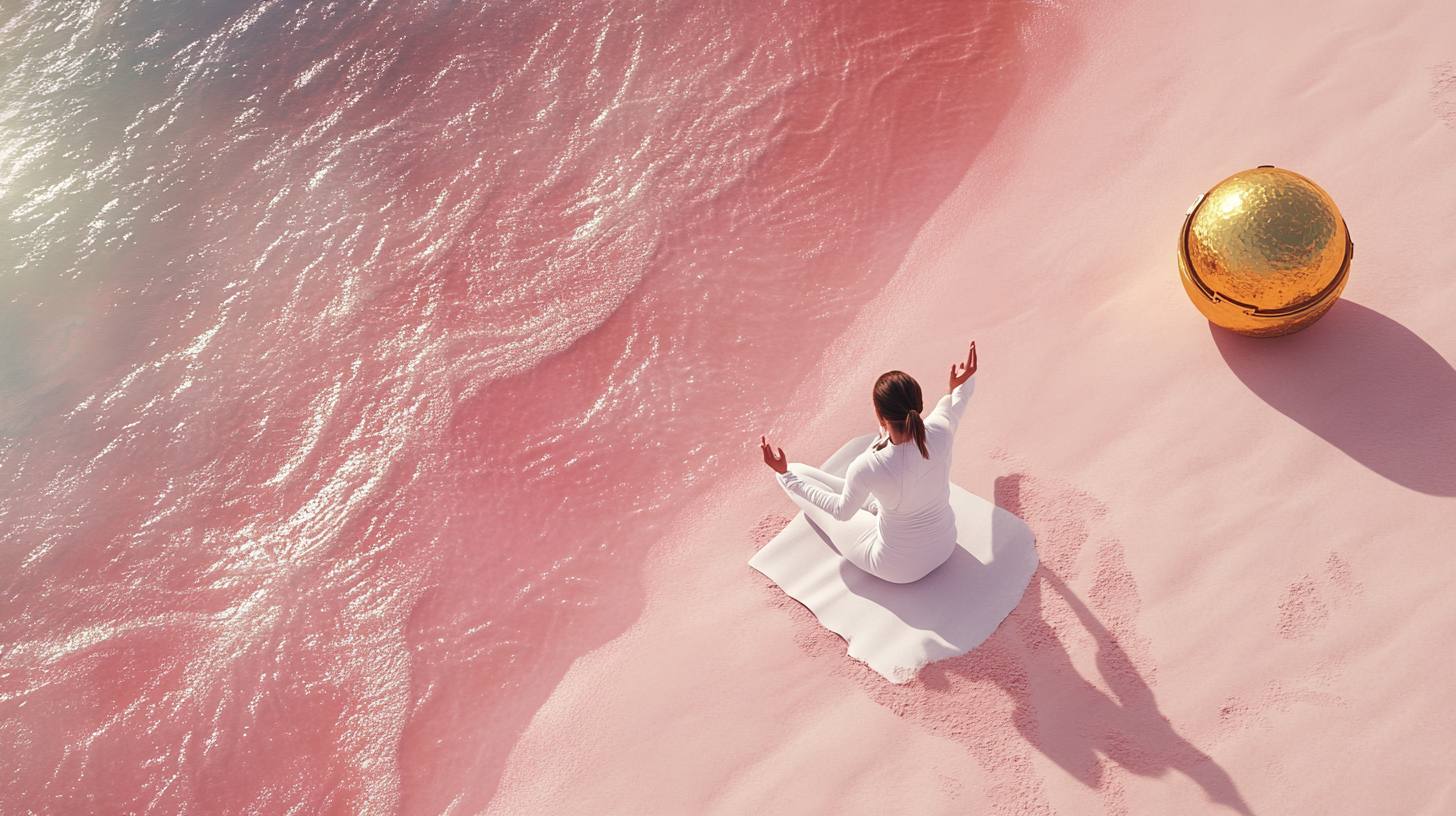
x,y
1365,384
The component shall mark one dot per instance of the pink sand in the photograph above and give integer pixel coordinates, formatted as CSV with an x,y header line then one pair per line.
x,y
1245,601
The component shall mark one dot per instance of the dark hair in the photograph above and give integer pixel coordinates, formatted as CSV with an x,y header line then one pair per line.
x,y
897,398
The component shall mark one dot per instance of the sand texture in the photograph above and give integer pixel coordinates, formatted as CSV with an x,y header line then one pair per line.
x,y
1248,546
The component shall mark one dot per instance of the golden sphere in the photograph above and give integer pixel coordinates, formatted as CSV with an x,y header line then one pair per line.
x,y
1264,253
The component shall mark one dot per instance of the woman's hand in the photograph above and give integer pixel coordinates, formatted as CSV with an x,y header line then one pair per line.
x,y
966,369
780,463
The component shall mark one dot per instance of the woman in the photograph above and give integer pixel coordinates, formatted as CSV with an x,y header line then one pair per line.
x,y
890,515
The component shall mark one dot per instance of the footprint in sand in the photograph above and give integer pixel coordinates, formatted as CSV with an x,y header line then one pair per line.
x,y
1305,609
1443,92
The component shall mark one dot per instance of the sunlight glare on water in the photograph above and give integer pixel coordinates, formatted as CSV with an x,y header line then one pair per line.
x,y
354,354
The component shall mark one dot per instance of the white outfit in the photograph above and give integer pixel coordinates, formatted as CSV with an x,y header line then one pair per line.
x,y
912,529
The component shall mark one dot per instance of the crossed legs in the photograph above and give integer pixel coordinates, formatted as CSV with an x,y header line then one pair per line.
x,y
857,539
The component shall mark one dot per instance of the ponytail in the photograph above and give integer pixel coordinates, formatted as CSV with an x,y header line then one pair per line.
x,y
915,428
897,400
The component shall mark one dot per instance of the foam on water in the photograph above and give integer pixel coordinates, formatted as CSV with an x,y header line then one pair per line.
x,y
353,354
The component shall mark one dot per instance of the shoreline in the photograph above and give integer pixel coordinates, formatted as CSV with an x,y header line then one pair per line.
x,y
1210,560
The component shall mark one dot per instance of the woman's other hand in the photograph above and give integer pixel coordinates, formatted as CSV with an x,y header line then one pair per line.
x,y
780,463
960,372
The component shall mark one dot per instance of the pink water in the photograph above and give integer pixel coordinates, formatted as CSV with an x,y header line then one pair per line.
x,y
354,355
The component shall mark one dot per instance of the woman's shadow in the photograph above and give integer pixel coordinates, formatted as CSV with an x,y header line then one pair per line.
x,y
1083,727
1365,384
1073,723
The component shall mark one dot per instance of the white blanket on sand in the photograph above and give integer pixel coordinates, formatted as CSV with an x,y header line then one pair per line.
x,y
898,628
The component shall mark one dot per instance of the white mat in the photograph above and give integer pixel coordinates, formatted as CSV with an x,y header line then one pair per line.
x,y
898,628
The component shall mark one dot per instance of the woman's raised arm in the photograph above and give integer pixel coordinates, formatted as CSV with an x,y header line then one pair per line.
x,y
966,369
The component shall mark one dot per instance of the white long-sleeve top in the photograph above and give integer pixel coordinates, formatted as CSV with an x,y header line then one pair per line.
x,y
913,492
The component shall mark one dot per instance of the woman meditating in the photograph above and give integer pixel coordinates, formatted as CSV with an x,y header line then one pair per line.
x,y
890,515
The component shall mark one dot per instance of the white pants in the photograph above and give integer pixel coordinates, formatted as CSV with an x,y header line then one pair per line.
x,y
857,539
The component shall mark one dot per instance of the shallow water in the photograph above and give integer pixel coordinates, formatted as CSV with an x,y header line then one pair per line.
x,y
355,354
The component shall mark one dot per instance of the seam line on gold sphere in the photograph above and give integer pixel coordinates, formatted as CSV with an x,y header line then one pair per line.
x,y
1249,309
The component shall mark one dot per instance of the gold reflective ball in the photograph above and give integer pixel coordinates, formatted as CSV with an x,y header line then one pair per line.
x,y
1264,253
